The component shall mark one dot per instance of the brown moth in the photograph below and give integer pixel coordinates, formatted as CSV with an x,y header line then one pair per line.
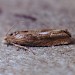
x,y
46,37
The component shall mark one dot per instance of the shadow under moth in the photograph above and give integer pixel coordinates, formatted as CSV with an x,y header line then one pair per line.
x,y
39,38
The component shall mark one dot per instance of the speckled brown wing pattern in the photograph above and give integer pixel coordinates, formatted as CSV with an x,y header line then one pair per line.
x,y
44,37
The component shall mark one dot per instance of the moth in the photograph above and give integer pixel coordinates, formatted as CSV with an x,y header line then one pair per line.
x,y
39,38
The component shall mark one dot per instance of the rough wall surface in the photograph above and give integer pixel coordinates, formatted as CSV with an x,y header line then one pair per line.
x,y
55,60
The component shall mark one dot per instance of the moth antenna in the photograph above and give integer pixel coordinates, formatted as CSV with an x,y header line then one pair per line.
x,y
9,30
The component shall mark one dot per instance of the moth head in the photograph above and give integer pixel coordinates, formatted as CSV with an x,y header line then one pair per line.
x,y
15,37
8,39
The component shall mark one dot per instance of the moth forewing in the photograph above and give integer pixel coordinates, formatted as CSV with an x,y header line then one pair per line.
x,y
46,37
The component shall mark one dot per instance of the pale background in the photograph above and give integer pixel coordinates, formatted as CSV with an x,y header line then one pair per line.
x,y
55,60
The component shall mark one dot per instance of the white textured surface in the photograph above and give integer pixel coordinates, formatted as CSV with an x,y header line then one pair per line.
x,y
55,60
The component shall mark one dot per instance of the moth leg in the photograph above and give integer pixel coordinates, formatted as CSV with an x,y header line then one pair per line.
x,y
20,47
8,45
